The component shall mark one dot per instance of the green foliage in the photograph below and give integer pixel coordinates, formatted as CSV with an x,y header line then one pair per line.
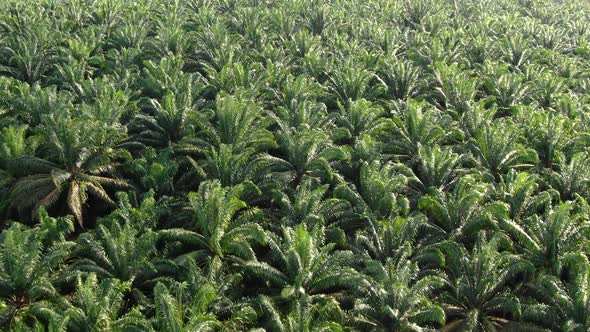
x,y
301,165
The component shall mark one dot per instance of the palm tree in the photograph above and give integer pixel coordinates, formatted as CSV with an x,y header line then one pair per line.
x,y
564,306
96,306
323,316
497,150
308,204
573,176
402,79
455,87
13,145
166,77
173,119
438,168
223,225
550,135
397,299
174,315
480,296
26,289
461,213
548,241
240,122
349,82
301,269
521,192
306,153
416,126
28,104
80,164
359,118
123,246
30,51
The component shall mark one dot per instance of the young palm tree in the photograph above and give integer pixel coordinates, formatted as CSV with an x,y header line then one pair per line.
x,y
573,176
322,316
397,299
123,247
402,79
301,269
548,241
308,204
223,226
480,295
419,126
30,52
437,168
173,119
521,192
26,289
564,306
497,150
97,305
359,118
307,153
462,212
349,82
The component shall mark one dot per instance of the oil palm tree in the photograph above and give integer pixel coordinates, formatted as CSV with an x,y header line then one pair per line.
x,y
564,305
123,247
79,165
497,150
397,299
306,153
462,212
416,125
402,79
223,225
324,316
359,118
480,296
30,51
97,306
573,176
548,241
302,268
27,289
190,312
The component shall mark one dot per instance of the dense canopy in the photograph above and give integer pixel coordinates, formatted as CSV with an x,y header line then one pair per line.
x,y
294,165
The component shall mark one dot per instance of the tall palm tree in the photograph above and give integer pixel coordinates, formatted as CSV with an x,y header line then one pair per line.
x,y
81,163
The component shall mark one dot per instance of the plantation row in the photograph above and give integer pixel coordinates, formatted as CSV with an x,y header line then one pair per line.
x,y
294,165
